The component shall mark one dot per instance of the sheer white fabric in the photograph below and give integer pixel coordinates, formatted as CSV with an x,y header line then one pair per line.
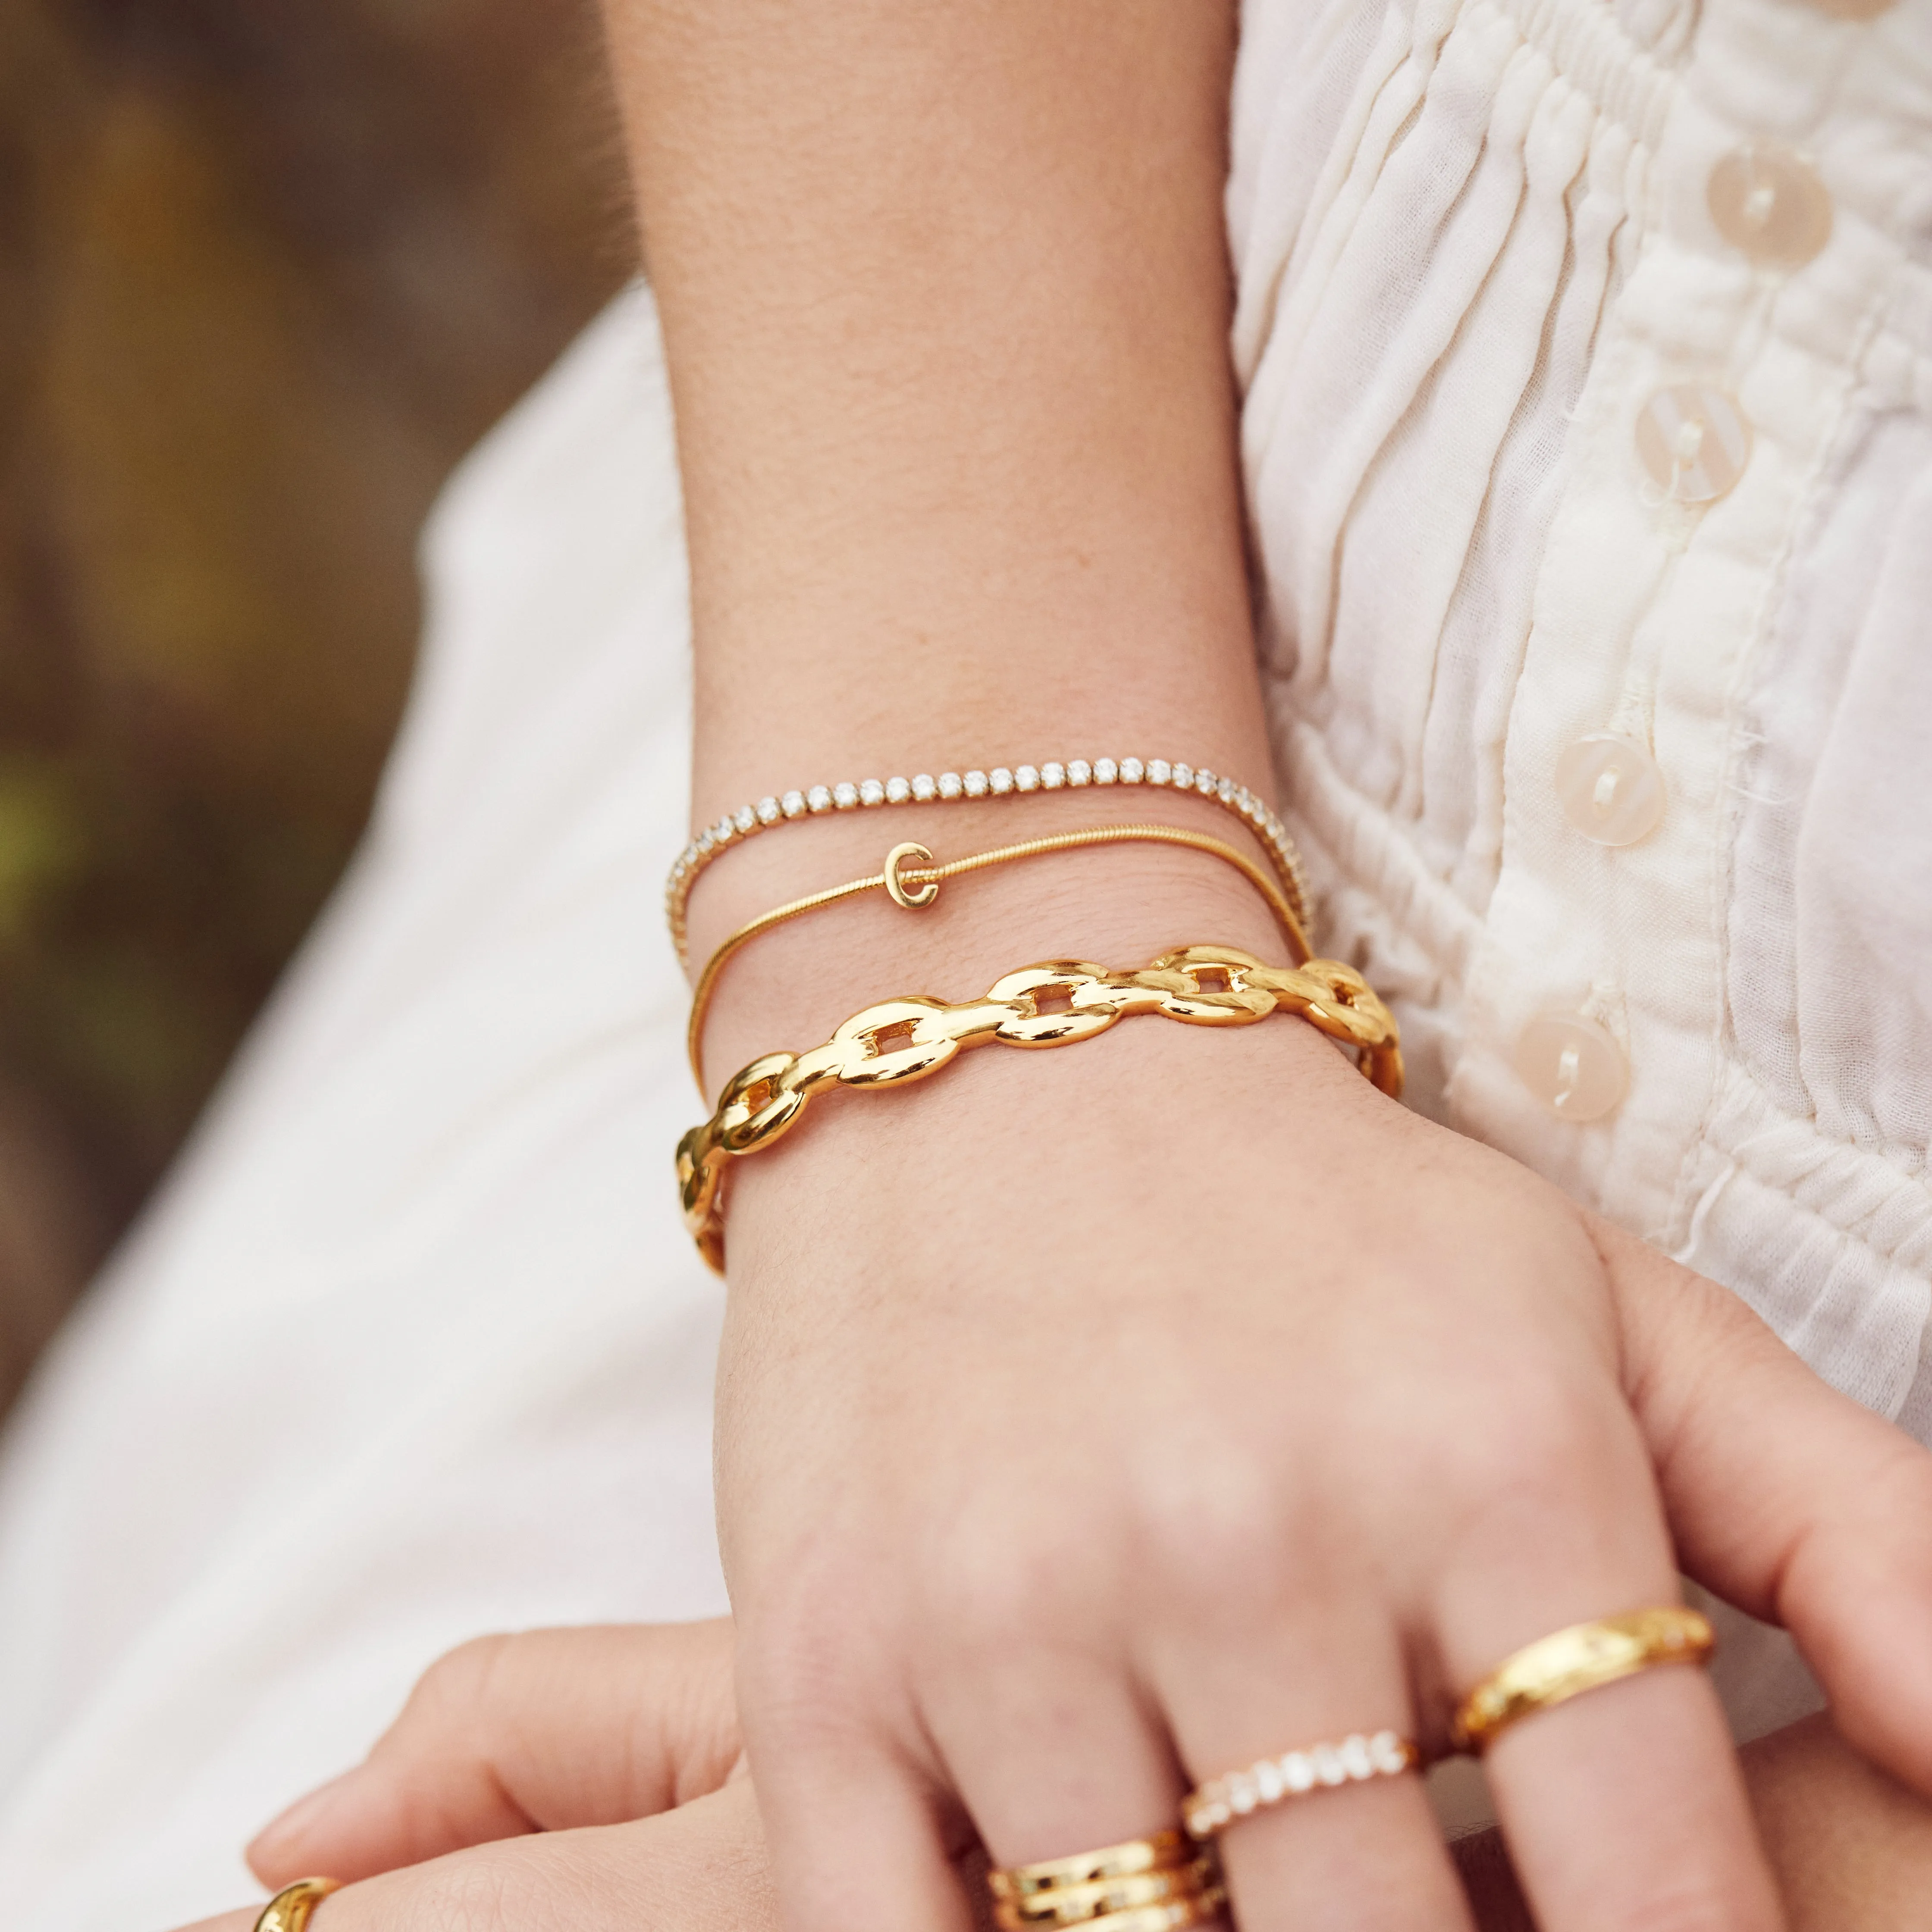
x,y
1473,241
414,1346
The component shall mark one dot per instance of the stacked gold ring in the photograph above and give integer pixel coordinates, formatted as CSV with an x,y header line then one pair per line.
x,y
1163,1883
288,1910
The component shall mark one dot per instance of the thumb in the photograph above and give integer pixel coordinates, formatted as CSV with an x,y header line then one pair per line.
x,y
540,1731
700,1868
1785,1498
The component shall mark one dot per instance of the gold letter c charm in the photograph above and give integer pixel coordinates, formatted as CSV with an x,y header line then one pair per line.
x,y
911,897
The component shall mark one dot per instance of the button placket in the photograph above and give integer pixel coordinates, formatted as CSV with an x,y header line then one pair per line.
x,y
1769,203
1573,1064
1610,789
1693,441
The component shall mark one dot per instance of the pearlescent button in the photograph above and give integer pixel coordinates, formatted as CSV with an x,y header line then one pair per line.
x,y
1693,441
1572,1065
1609,789
1769,203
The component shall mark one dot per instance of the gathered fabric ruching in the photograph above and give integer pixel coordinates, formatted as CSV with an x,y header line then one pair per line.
x,y
1586,354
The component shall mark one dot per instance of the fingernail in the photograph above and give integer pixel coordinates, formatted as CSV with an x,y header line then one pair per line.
x,y
303,1816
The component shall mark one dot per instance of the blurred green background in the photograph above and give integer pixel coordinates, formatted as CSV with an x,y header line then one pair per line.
x,y
267,268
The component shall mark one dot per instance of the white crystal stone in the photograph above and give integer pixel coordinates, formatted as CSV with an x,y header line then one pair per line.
x,y
951,785
1105,771
976,784
1053,774
923,788
1268,1781
1206,783
1160,771
705,840
745,817
691,854
898,790
872,793
1328,1765
1225,790
1385,1747
1240,1794
1296,1772
1001,781
769,811
1182,778
1079,773
1355,1759
722,831
819,799
1132,771
1026,778
845,797
793,804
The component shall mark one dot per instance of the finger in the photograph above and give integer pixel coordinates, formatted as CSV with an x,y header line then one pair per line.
x,y
1624,1808
856,1839
1365,1856
1054,1755
540,1731
854,1828
700,1868
1786,1498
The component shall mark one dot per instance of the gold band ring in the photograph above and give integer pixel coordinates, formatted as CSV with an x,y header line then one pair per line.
x,y
1174,1916
288,1910
1161,1851
1101,1898
1222,1801
1555,1668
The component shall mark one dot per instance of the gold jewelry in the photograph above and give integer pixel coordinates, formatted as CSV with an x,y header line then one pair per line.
x,y
748,820
1101,1898
916,886
1161,1851
1172,1915
1159,1883
1555,1668
1223,1801
288,1910
907,1039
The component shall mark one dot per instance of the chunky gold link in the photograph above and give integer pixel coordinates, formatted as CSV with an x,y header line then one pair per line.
x,y
901,1040
916,887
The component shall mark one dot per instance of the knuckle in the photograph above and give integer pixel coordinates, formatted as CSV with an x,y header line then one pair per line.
x,y
800,1672
1697,1903
452,1689
1230,1515
1534,1434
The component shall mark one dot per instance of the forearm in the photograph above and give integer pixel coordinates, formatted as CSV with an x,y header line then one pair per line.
x,y
945,298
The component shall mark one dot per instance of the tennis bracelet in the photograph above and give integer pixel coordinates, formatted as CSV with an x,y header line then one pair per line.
x,y
1001,782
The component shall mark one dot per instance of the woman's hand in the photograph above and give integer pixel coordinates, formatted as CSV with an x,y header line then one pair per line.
x,y
620,1746
1095,1421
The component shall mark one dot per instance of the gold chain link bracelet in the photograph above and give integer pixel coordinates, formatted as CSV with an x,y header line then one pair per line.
x,y
915,886
907,1039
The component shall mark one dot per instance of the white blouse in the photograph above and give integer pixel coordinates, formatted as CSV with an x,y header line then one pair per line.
x,y
1588,358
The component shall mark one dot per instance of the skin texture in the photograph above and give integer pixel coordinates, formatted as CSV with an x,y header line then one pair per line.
x,y
1091,1421
566,1732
